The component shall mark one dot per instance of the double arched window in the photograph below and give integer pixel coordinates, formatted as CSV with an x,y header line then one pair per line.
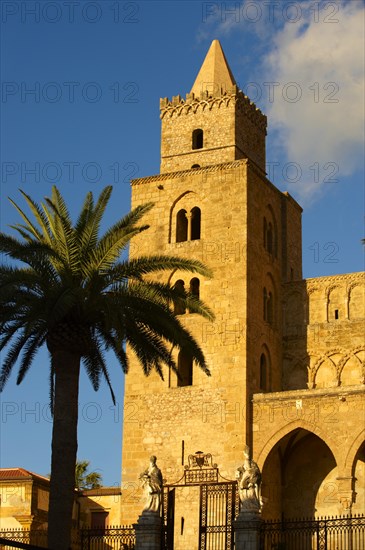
x,y
194,289
188,225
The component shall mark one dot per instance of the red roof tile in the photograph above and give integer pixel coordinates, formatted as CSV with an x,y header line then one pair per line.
x,y
19,473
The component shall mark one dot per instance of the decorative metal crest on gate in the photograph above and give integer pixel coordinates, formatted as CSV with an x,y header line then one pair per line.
x,y
200,469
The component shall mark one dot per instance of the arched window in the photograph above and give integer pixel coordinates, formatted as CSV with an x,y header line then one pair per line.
x,y
269,239
195,223
197,139
188,223
263,372
181,226
184,369
270,308
179,306
195,287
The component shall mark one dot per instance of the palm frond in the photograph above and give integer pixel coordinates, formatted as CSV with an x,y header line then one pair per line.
x,y
29,225
24,231
128,221
30,349
104,370
107,252
40,216
11,359
33,253
143,265
88,224
63,232
85,213
76,286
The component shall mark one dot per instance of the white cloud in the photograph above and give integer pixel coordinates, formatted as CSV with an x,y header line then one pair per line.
x,y
322,52
326,125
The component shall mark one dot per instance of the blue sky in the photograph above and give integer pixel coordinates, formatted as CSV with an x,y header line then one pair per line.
x,y
97,70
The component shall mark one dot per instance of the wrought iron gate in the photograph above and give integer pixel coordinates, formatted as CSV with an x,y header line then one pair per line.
x,y
217,507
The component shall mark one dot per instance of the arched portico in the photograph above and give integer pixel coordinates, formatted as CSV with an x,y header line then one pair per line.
x,y
299,477
289,428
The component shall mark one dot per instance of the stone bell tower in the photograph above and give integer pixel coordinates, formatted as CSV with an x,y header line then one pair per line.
x,y
215,123
214,203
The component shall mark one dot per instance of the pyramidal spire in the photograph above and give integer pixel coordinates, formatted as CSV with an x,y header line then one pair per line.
x,y
215,74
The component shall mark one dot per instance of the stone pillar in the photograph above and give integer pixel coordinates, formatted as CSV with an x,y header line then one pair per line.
x,y
148,531
247,530
346,494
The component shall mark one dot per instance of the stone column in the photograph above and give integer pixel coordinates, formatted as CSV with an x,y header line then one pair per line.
x,y
148,531
247,527
346,494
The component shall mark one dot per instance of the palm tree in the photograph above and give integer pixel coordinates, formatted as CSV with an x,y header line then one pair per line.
x,y
84,480
77,296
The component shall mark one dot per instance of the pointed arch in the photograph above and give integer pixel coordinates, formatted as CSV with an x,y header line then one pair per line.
x,y
290,427
336,303
269,300
195,223
356,301
181,226
270,237
351,453
179,306
185,218
263,372
289,470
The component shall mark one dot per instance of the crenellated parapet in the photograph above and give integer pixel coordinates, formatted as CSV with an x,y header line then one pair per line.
x,y
207,100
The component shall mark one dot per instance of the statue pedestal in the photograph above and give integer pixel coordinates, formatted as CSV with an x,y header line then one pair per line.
x,y
148,531
247,529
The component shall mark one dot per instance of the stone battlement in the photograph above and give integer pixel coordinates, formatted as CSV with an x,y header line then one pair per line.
x,y
207,99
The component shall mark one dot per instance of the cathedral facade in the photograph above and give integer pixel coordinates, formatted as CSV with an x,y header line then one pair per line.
x,y
286,355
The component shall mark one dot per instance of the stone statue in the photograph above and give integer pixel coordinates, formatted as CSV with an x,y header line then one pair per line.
x,y
152,484
249,483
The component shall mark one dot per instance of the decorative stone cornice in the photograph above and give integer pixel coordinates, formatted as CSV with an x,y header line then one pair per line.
x,y
339,278
190,172
319,393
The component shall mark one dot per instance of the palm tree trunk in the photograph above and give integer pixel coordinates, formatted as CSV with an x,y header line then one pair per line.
x,y
64,449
